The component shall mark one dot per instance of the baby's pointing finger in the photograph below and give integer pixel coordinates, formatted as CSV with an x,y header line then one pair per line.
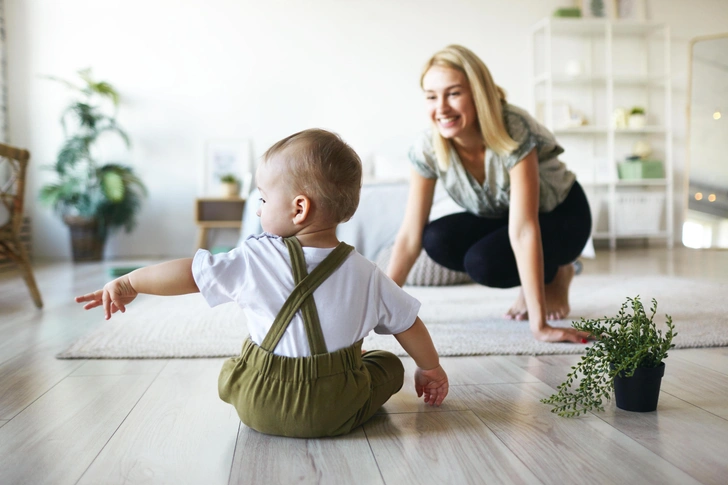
x,y
106,298
91,305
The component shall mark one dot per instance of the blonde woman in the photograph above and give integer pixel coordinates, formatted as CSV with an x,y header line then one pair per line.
x,y
525,218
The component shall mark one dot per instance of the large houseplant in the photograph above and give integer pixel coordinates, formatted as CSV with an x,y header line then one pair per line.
x,y
626,357
93,198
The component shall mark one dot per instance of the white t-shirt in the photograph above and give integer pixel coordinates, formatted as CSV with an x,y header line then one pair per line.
x,y
356,299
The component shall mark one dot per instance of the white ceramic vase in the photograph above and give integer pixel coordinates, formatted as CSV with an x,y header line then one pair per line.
x,y
229,189
637,121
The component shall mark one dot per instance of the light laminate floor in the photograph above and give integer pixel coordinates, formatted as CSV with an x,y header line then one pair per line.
x,y
160,421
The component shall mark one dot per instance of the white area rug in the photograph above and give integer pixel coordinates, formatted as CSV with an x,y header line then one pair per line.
x,y
463,320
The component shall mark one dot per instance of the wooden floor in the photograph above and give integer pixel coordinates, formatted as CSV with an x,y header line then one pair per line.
x,y
160,421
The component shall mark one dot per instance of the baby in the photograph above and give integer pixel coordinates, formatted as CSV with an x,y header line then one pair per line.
x,y
309,299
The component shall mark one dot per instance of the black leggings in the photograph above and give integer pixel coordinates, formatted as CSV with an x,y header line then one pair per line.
x,y
480,246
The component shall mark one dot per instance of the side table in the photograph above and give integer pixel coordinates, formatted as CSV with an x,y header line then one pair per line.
x,y
217,213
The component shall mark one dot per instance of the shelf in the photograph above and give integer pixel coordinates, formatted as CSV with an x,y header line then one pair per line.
x,y
601,81
579,26
601,130
622,63
596,27
623,183
628,80
581,130
217,213
606,235
642,236
594,183
636,27
639,131
641,182
220,224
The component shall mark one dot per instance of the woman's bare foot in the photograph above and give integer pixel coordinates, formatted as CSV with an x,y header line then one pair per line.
x,y
518,311
557,297
557,293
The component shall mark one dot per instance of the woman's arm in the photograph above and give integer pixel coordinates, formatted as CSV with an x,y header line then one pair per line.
x,y
525,236
408,243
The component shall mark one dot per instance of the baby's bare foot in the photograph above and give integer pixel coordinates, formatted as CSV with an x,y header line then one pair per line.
x,y
518,311
557,293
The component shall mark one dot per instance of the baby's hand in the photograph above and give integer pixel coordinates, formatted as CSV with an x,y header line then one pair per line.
x,y
114,297
433,384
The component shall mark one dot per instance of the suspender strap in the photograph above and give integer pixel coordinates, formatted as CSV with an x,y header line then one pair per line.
x,y
303,290
312,324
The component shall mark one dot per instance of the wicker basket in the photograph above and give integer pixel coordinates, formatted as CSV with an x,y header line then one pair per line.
x,y
86,241
639,213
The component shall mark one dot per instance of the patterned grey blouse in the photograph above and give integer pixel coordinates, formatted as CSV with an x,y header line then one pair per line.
x,y
492,199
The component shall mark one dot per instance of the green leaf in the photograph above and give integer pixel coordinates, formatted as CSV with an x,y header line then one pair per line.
x,y
113,186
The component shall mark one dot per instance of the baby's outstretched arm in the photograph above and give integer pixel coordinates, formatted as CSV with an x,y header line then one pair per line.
x,y
170,278
430,378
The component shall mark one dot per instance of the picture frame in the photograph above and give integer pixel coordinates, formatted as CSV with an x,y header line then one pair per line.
x,y
223,157
632,10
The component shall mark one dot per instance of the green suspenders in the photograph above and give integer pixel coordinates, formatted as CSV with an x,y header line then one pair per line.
x,y
301,296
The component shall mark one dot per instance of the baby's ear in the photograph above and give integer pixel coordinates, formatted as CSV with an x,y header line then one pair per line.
x,y
302,208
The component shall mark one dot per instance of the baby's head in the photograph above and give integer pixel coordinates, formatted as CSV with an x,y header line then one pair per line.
x,y
321,166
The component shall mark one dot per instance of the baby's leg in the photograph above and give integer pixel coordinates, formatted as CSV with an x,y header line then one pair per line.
x,y
387,373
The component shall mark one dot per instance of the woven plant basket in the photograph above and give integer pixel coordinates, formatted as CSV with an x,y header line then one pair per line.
x,y
86,242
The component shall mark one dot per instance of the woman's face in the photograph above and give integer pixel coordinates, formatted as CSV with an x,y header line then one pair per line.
x,y
449,102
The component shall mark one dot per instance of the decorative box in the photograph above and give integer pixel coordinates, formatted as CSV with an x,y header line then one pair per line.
x,y
640,169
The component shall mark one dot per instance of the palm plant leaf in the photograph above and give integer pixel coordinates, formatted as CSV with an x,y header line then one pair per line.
x,y
74,149
113,127
82,113
102,88
113,186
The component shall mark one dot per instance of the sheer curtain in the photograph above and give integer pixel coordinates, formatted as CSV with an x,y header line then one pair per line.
x,y
3,104
3,78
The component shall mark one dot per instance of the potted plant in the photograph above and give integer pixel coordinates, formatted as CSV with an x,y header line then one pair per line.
x,y
93,199
626,357
637,118
229,185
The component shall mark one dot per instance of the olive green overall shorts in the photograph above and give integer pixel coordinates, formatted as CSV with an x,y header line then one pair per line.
x,y
324,394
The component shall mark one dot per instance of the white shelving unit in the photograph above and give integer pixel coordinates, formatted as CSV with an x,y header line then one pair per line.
x,y
595,66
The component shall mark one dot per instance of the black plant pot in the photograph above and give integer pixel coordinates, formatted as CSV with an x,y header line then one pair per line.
x,y
640,392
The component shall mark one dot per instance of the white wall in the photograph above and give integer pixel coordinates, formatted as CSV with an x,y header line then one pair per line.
x,y
191,71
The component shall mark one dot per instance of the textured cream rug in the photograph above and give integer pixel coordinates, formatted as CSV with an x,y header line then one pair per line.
x,y
463,320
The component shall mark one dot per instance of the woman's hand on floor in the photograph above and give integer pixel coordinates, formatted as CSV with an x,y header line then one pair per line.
x,y
548,333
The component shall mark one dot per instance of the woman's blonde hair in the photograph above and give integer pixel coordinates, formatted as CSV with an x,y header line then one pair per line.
x,y
323,167
487,97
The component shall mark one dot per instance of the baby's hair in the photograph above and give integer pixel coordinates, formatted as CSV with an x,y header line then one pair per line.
x,y
325,168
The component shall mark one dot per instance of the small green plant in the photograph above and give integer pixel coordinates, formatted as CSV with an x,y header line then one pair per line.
x,y
637,110
229,179
623,344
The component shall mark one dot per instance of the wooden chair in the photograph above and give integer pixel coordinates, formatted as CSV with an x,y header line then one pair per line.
x,y
13,165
